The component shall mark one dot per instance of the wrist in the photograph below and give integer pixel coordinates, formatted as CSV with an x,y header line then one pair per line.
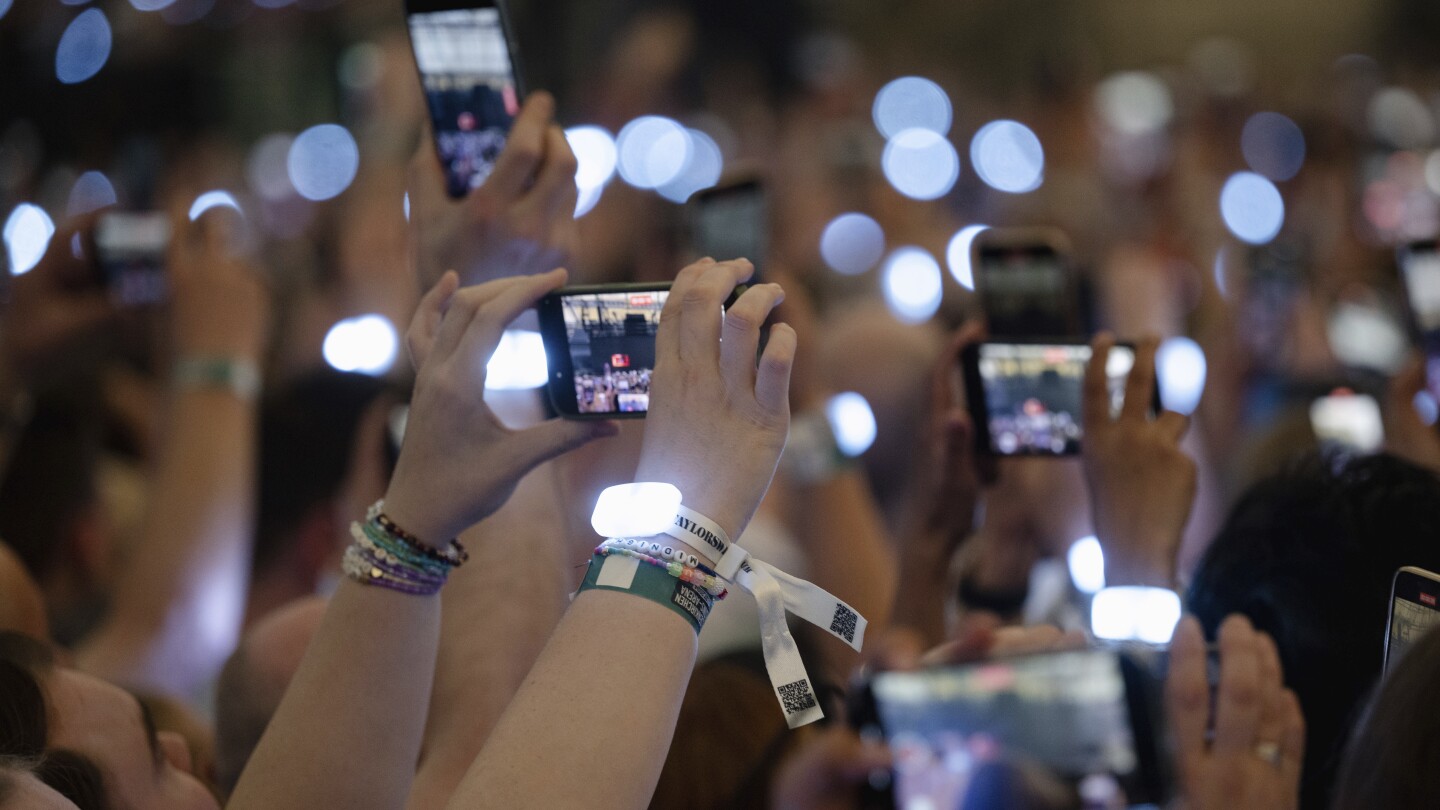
x,y
415,519
236,375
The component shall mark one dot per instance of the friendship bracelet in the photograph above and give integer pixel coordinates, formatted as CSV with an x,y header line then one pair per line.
x,y
453,555
239,377
662,552
712,584
386,548
356,566
380,558
625,574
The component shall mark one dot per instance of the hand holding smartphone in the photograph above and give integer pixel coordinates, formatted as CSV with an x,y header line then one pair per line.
x,y
600,346
130,248
1414,611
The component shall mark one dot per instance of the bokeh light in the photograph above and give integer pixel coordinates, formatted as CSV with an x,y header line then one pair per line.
x,y
91,192
323,161
912,284
1426,407
1134,613
1273,145
852,422
1180,368
213,199
1252,208
957,254
586,199
911,102
518,363
652,151
1008,157
852,244
267,167
1086,561
921,164
84,47
27,235
1399,117
5,7
1134,103
366,344
150,5
595,155
700,172
1365,334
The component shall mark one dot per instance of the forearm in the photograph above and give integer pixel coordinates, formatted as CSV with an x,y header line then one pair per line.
x,y
922,594
592,723
180,600
348,731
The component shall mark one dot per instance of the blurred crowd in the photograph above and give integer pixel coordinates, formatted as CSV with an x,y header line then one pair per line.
x,y
188,462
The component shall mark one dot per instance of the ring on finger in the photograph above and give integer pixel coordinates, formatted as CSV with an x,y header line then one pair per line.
x,y
1270,752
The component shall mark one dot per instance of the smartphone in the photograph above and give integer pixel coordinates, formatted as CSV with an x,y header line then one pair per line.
x,y
600,346
1027,283
731,222
1027,396
130,250
466,56
1420,271
1414,609
1349,419
966,735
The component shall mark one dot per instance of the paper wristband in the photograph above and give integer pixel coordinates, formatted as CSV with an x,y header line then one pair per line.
x,y
626,574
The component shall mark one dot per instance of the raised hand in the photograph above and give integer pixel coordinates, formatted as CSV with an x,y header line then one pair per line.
x,y
220,305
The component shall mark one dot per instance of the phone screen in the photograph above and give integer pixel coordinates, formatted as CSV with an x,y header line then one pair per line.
x,y
610,338
1026,290
1413,611
730,223
131,249
1032,394
957,734
470,86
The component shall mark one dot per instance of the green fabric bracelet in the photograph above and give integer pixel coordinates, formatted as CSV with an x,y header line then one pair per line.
x,y
627,575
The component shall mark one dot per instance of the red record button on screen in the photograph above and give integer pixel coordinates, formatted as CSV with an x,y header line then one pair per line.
x,y
1428,599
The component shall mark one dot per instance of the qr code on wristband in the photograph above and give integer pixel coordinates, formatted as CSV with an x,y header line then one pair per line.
x,y
843,625
797,697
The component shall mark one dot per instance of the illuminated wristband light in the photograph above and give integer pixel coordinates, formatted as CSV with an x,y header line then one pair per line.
x,y
636,510
1135,613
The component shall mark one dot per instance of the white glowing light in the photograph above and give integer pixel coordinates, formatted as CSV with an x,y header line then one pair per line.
x,y
84,47
852,243
1273,145
911,102
702,171
405,204
1119,362
91,192
150,5
635,510
652,150
213,199
911,280
27,236
267,168
323,161
1008,157
587,199
367,344
1348,419
921,164
1252,208
1086,561
1426,407
852,422
1180,368
957,254
518,363
1400,118
1366,335
1134,613
1134,103
595,155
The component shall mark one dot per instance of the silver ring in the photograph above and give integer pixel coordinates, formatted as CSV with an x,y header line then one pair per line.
x,y
1270,752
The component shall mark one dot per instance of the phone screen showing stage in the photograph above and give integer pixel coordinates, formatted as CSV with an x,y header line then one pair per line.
x,y
470,88
611,340
1414,611
1033,394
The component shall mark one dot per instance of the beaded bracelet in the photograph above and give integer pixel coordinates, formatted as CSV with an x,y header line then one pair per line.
x,y
362,568
384,554
713,585
661,552
453,555
378,543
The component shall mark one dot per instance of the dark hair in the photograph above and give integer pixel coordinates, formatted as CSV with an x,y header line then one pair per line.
x,y
307,433
1391,755
25,725
1308,555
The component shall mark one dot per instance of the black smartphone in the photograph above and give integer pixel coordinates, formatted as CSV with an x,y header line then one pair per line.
x,y
731,222
600,347
468,70
1420,271
1027,283
1026,397
967,735
1414,609
130,250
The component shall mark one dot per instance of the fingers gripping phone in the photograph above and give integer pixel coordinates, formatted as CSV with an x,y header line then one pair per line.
x,y
731,221
130,248
1027,396
472,85
600,346
1414,610
1420,271
964,736
1027,285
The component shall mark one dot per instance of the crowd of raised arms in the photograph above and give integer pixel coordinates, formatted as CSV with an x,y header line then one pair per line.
x,y
825,570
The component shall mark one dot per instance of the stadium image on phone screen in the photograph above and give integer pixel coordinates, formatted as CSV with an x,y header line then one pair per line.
x,y
612,348
958,734
470,88
1033,394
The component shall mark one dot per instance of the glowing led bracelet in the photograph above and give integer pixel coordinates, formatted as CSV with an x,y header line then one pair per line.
x,y
1135,613
635,510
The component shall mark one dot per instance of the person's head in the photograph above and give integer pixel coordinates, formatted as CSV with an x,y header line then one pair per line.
x,y
1392,753
87,739
1308,555
254,680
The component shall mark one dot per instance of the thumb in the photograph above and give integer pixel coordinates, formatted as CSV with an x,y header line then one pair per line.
x,y
556,437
